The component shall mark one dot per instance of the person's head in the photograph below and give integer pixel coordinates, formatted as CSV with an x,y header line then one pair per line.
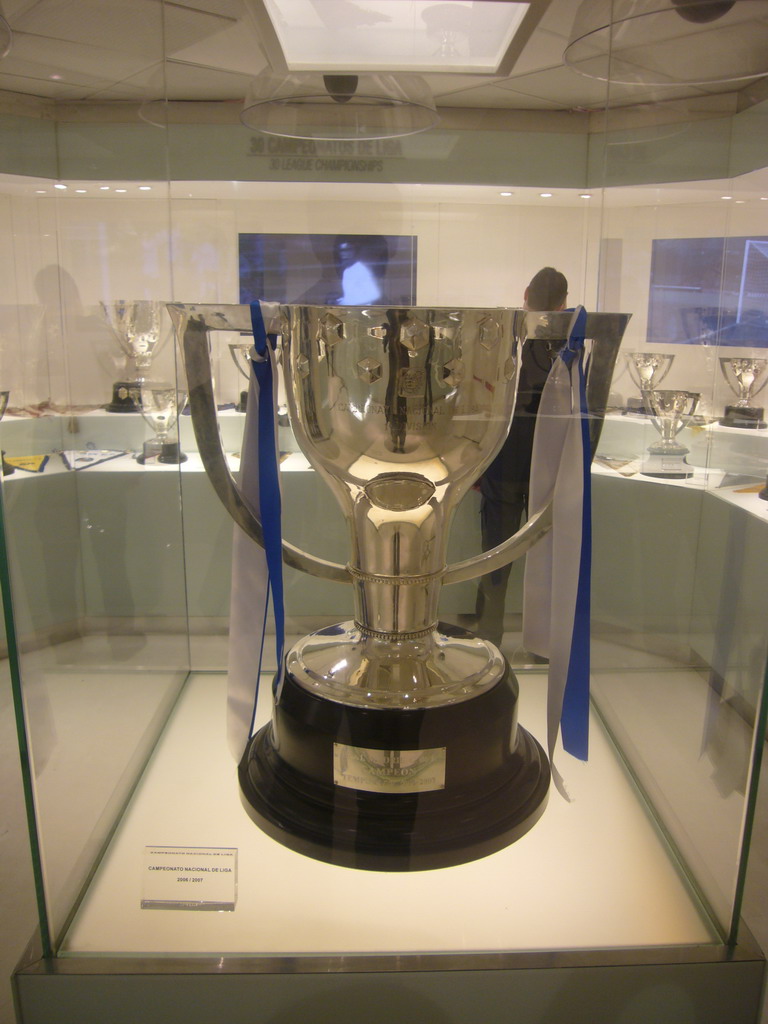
x,y
548,290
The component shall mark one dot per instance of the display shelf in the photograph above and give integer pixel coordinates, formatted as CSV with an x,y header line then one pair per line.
x,y
595,873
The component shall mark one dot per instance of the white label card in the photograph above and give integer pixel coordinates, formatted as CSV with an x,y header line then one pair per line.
x,y
189,878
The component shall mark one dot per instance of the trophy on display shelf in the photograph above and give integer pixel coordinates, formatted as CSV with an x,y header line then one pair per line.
x,y
394,741
671,411
746,378
161,404
137,326
647,370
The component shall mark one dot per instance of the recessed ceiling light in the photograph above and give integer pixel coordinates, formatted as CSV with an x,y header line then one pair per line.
x,y
81,190
121,190
585,195
41,191
741,200
506,193
726,197
104,188
59,185
145,188
764,199
545,195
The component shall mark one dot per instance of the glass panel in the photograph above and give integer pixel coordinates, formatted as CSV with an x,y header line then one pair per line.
x,y
679,604
94,538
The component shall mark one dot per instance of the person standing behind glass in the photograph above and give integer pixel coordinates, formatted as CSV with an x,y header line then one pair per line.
x,y
504,485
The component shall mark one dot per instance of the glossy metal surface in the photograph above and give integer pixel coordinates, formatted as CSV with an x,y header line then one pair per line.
x,y
137,327
746,378
671,412
192,324
648,369
400,410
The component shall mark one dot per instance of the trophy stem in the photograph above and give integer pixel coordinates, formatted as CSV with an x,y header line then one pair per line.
x,y
395,605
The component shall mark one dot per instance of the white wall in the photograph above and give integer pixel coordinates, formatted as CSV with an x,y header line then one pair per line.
x,y
60,256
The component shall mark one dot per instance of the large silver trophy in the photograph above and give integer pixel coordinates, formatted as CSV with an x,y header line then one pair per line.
x,y
671,412
746,378
394,742
137,325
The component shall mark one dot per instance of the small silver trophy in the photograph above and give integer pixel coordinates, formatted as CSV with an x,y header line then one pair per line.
x,y
137,327
161,404
746,378
671,412
394,742
647,370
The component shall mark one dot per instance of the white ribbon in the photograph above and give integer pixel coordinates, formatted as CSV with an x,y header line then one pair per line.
x,y
557,570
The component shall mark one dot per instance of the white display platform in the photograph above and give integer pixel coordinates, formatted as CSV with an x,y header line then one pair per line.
x,y
593,873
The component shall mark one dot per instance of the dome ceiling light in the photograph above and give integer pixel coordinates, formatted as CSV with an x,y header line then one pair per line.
x,y
313,105
670,42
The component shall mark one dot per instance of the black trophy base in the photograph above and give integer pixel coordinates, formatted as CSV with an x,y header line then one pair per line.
x,y
124,397
297,774
744,417
171,454
151,450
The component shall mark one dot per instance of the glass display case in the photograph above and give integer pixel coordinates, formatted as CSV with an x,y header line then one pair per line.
x,y
157,893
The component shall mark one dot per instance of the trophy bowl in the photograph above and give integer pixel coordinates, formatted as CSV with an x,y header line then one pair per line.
x,y
161,404
647,370
671,411
137,326
394,742
746,378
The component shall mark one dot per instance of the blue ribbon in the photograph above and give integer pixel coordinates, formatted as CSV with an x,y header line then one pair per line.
x,y
269,478
574,722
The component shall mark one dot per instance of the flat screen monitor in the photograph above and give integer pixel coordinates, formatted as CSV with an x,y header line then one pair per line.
x,y
332,270
709,291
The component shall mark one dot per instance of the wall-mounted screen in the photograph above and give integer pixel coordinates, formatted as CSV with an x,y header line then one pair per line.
x,y
709,291
333,270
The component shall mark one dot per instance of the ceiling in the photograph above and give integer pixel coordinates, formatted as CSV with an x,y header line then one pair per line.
x,y
111,51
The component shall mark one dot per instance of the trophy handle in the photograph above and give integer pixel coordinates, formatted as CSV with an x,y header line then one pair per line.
x,y
203,406
606,331
513,547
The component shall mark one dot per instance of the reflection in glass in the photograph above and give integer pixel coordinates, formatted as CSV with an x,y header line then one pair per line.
x,y
136,325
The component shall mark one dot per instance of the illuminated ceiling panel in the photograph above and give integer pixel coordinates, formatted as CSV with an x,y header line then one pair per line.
x,y
395,35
